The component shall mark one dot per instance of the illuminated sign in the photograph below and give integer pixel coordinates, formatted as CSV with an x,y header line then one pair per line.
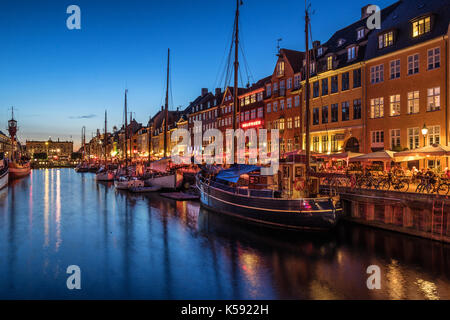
x,y
251,124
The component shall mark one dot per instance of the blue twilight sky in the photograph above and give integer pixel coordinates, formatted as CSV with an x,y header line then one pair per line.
x,y
59,80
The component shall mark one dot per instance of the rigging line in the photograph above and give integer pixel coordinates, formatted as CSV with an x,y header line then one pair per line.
x,y
229,67
247,67
222,66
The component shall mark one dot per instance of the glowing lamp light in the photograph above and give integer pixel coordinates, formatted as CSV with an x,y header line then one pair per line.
x,y
424,130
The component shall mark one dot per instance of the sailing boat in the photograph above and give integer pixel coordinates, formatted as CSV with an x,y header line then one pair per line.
x,y
18,168
104,174
242,192
124,181
163,177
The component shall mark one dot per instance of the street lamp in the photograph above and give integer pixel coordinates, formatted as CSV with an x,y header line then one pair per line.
x,y
424,133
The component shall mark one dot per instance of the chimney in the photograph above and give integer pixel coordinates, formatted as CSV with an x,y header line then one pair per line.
x,y
218,91
162,108
316,43
204,91
364,13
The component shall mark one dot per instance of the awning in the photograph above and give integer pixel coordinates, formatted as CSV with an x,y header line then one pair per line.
x,y
233,174
339,156
384,155
434,150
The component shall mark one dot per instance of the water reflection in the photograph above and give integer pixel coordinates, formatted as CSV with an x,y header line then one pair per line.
x,y
139,246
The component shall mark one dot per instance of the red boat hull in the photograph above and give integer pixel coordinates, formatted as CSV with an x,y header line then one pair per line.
x,y
17,171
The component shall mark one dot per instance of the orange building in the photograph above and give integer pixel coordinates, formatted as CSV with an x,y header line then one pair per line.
x,y
407,80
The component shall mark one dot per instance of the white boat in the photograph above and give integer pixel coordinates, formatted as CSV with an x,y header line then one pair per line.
x,y
4,175
125,183
170,181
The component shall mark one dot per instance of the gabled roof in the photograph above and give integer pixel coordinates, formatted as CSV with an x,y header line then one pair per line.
x,y
294,58
258,85
399,19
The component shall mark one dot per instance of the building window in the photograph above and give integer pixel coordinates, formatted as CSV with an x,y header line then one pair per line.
x,y
316,144
289,123
319,51
280,69
360,34
377,137
253,114
413,102
324,143
289,103
334,112
289,145
325,114
377,108
269,108
289,83
395,138
315,116
395,69
434,58
297,81
345,81
385,40
394,103
434,134
377,74
260,96
351,53
281,124
275,87
324,86
312,68
297,122
413,138
316,89
345,111
269,90
281,105
334,84
434,99
296,101
413,64
247,115
357,78
334,144
357,109
275,106
330,63
421,26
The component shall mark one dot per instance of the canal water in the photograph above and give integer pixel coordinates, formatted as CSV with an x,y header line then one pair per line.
x,y
147,247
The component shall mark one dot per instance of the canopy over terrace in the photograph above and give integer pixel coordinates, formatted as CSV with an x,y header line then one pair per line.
x,y
432,151
345,156
384,156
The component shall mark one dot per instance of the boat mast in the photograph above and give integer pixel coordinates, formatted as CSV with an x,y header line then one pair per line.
x,y
131,138
236,71
307,111
166,107
83,141
126,130
12,128
106,137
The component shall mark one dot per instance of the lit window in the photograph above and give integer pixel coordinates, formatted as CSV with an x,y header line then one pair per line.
x,y
394,101
378,138
280,68
377,108
421,26
385,40
324,144
434,99
413,102
413,138
297,122
434,134
330,62
289,123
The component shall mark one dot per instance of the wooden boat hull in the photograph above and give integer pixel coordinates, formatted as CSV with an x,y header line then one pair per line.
x,y
297,214
19,171
105,176
171,181
4,177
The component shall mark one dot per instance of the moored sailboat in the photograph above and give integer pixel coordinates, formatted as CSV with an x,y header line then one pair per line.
x,y
288,199
18,168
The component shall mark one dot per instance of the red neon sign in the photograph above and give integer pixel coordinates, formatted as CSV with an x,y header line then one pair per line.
x,y
251,124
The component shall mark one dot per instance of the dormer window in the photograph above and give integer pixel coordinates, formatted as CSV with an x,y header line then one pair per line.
x,y
312,68
330,63
421,26
340,42
386,39
319,51
280,69
359,34
351,53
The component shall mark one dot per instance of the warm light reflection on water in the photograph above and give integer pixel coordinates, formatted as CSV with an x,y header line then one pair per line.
x,y
138,246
